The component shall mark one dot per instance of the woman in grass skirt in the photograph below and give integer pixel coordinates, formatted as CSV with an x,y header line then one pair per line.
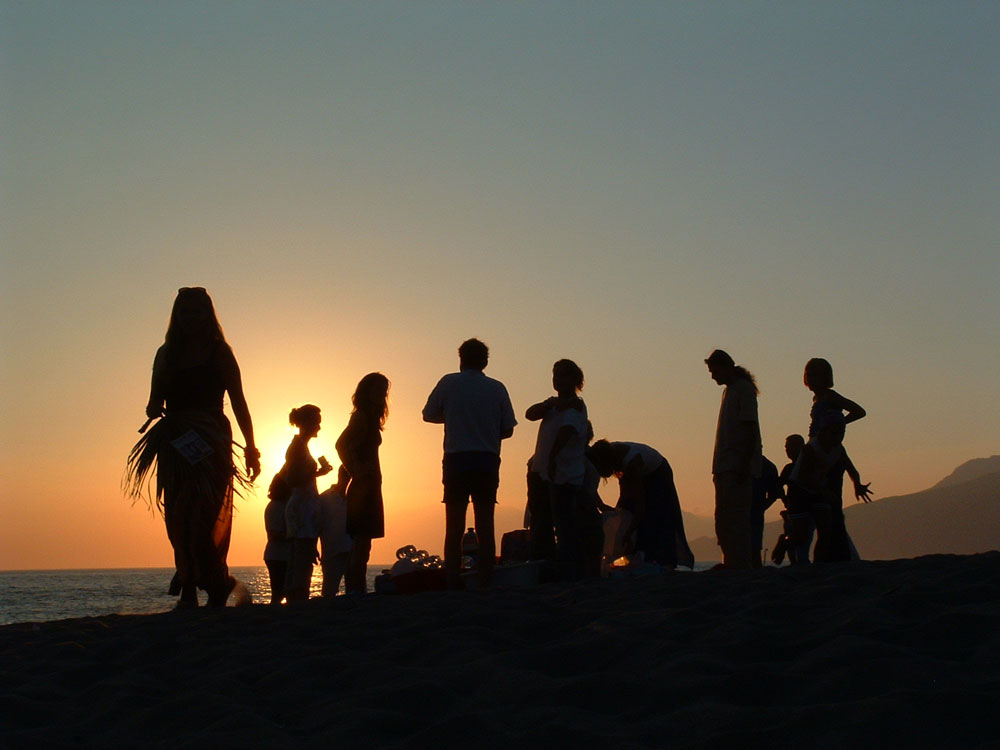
x,y
191,446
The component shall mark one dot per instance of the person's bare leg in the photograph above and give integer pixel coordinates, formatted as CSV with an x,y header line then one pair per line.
x,y
453,530
487,542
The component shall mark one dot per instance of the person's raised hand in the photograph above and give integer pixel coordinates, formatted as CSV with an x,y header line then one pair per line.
x,y
861,492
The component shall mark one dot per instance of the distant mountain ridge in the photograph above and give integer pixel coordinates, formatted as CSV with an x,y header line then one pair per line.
x,y
958,515
961,518
977,467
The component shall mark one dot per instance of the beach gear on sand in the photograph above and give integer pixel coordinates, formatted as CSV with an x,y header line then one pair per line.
x,y
414,570
515,546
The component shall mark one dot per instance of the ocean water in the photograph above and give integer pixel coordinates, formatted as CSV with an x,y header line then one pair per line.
x,y
40,595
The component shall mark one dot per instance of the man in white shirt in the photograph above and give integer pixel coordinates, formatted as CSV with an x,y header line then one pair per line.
x,y
736,460
477,415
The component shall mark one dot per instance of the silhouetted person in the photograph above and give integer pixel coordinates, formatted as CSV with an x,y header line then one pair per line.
x,y
590,516
828,404
302,509
192,446
765,491
793,447
538,517
648,493
558,465
809,488
358,449
736,460
278,550
798,528
335,542
477,415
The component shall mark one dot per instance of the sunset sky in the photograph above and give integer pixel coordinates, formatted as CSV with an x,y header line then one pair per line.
x,y
362,186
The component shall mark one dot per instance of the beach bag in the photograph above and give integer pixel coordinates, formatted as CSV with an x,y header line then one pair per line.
x,y
515,547
279,490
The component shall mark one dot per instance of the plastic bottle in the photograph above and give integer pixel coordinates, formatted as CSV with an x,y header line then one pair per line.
x,y
470,548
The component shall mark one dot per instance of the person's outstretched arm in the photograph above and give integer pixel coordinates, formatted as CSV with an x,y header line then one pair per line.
x,y
861,491
234,386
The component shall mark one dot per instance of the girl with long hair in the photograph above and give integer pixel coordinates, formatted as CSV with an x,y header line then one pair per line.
x,y
191,447
357,447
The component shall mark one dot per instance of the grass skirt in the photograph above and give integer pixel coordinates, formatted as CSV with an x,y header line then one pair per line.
x,y
194,492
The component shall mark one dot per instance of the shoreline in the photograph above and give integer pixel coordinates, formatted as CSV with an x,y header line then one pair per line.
x,y
49,596
900,652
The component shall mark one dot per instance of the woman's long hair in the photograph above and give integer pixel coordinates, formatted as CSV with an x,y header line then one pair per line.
x,y
180,332
745,374
371,397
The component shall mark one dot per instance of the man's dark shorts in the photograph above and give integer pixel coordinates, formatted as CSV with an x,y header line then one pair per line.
x,y
471,474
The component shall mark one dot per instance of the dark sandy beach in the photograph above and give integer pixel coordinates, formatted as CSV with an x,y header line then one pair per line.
x,y
894,654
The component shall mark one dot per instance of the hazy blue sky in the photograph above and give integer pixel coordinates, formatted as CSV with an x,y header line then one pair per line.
x,y
362,186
